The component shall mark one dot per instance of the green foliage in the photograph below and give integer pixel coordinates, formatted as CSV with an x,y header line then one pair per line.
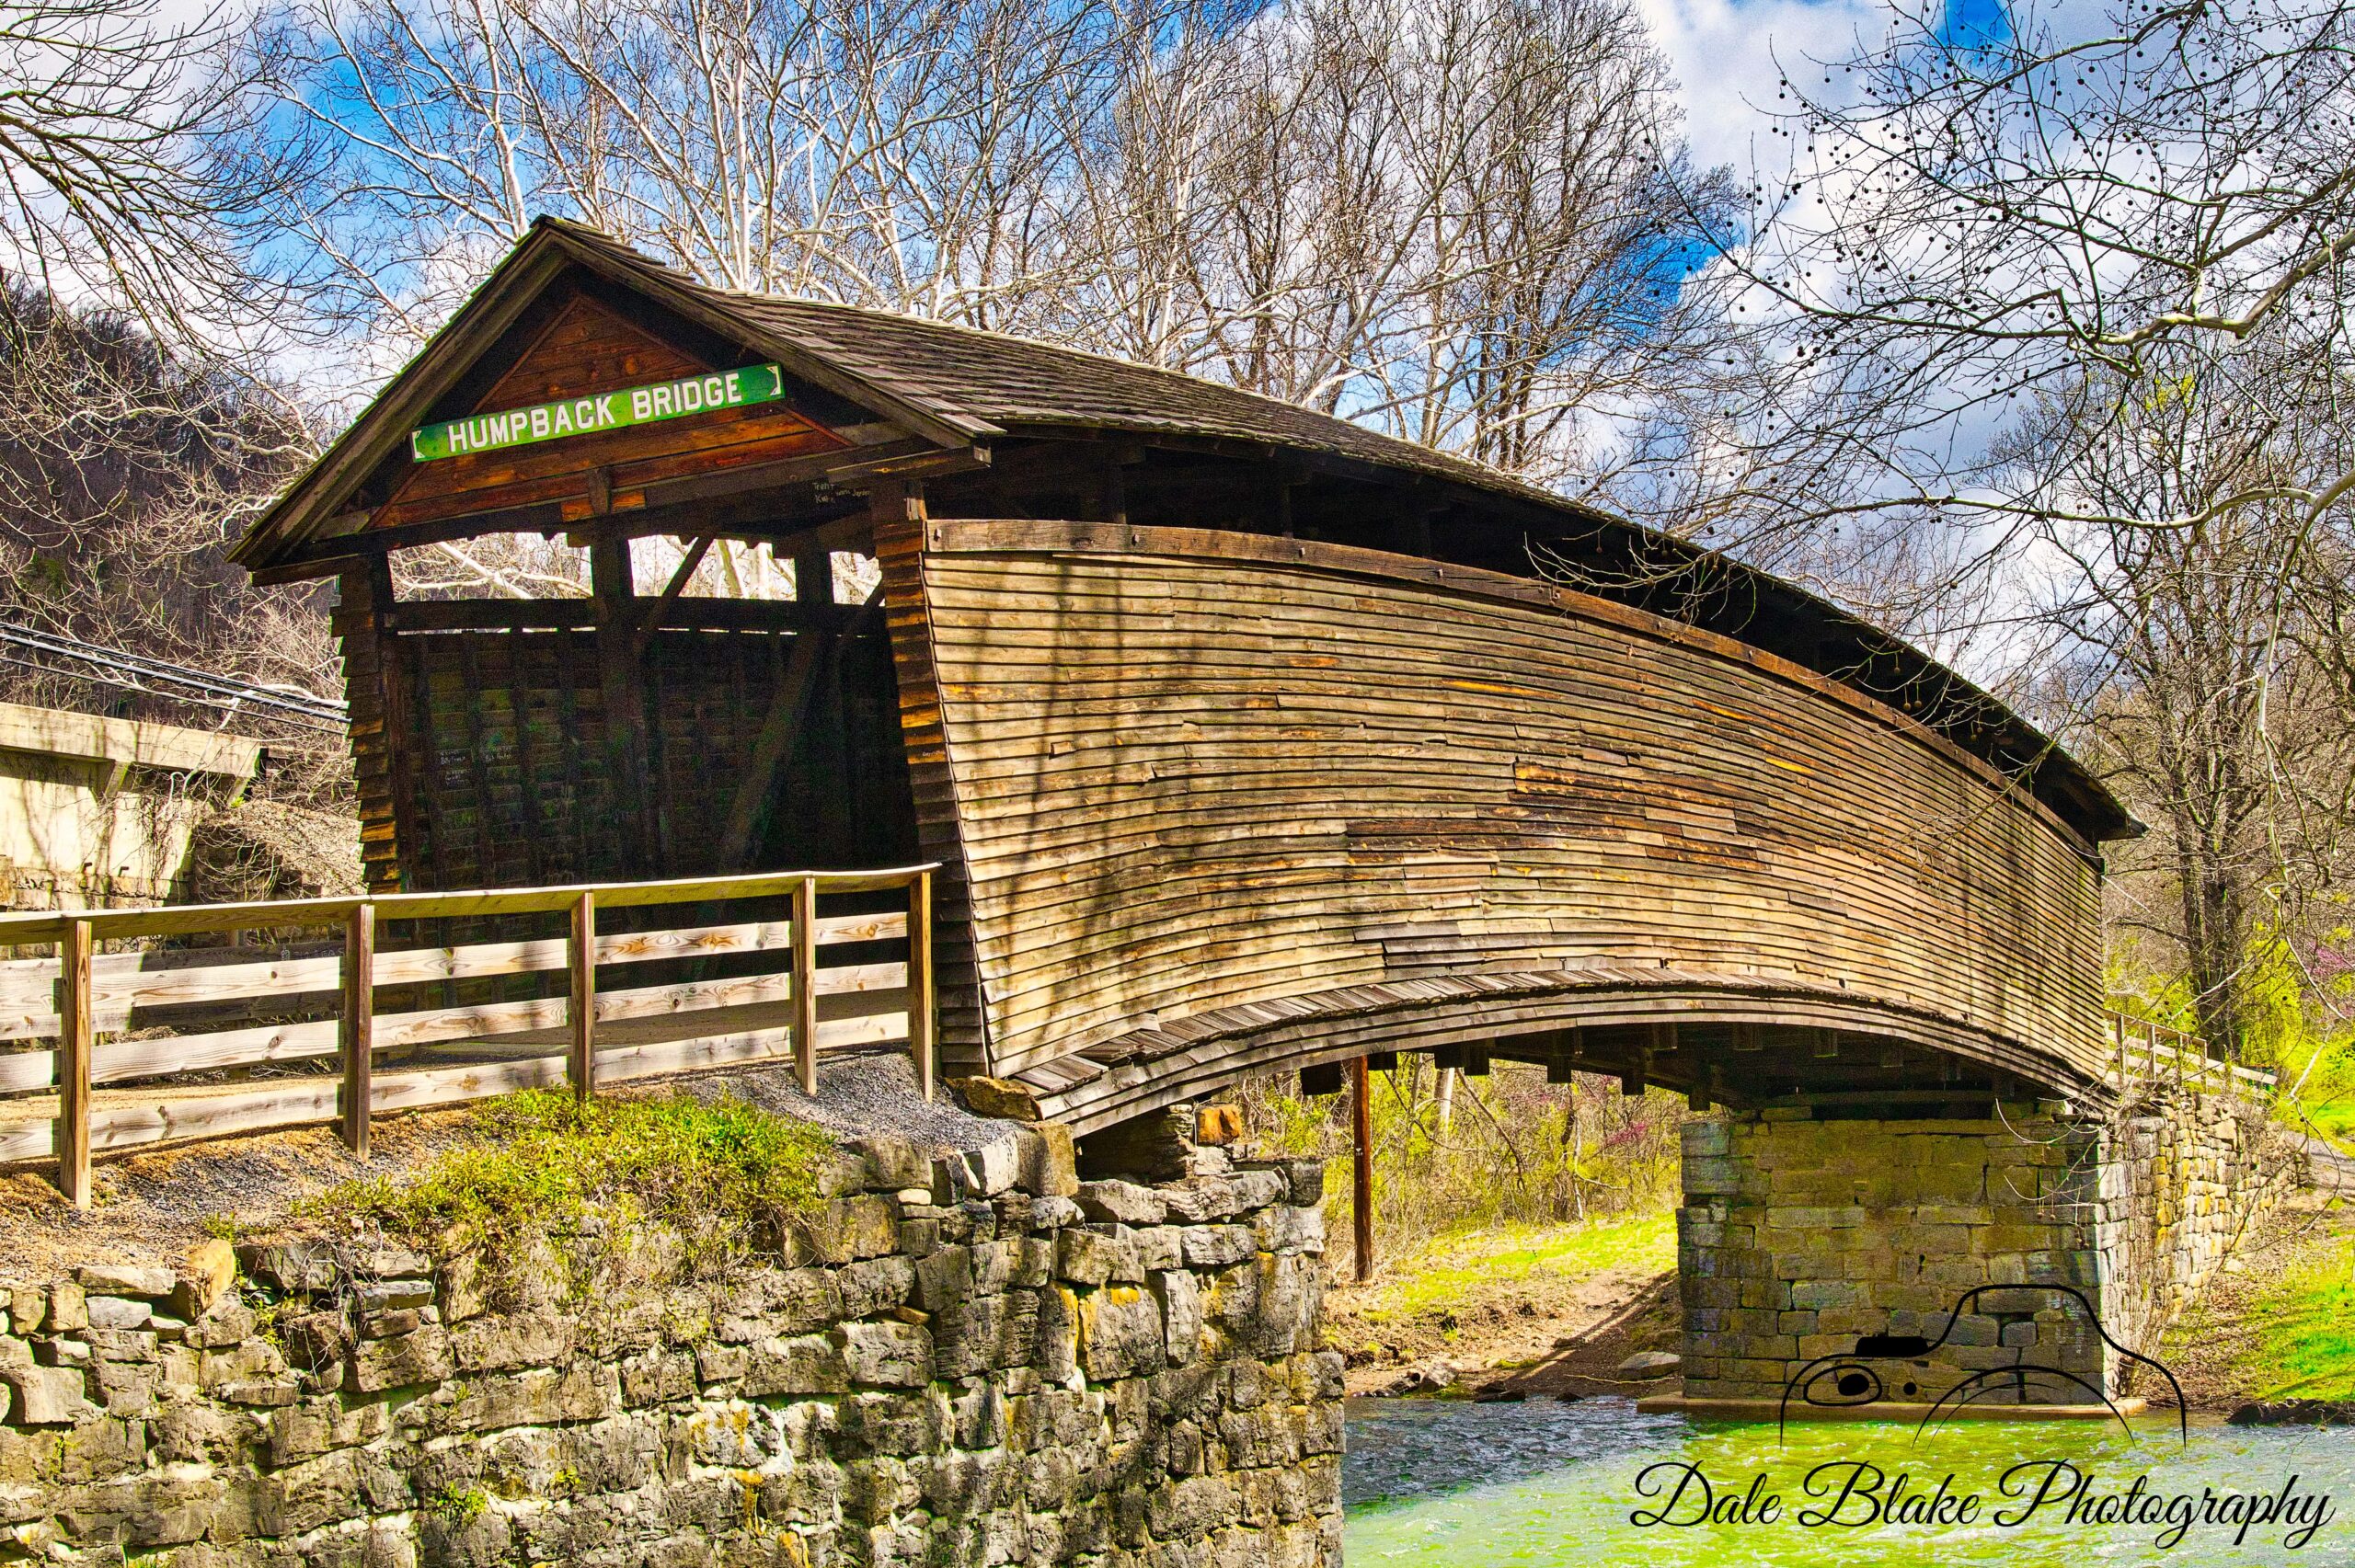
x,y
2273,1005
458,1507
1515,1150
2290,1026
725,1173
1452,1268
2149,996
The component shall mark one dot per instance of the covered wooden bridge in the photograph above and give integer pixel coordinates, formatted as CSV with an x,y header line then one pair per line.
x,y
1244,739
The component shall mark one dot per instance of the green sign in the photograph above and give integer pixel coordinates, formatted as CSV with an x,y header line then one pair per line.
x,y
600,411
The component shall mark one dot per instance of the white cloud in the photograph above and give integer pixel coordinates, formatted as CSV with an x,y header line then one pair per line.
x,y
1726,55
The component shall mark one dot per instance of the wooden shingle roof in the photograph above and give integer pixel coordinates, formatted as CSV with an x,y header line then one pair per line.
x,y
991,379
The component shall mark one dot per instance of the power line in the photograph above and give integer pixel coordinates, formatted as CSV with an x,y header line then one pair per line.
x,y
137,672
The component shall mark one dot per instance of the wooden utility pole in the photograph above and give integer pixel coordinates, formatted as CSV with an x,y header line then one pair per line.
x,y
1361,1193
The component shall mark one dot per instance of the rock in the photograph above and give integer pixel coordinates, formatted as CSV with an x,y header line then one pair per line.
x,y
1497,1393
893,1162
125,1279
1000,1097
67,1310
119,1311
385,1262
849,1229
1120,1332
1181,1310
419,1356
889,1356
996,1166
2295,1413
210,1268
1085,1257
288,1265
1125,1202
1216,1246
46,1396
1049,1161
806,1364
1646,1363
314,1340
1218,1125
392,1295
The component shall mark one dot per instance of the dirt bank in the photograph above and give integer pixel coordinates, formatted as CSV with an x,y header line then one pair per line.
x,y
1542,1312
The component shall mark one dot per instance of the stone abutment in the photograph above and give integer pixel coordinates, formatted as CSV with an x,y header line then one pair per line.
x,y
969,1359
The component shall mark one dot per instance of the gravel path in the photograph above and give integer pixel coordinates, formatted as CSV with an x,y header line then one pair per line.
x,y
857,1092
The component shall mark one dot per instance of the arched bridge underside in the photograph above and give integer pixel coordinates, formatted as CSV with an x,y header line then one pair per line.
x,y
1722,1039
1218,803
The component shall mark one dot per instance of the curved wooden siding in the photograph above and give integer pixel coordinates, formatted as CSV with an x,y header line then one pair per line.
x,y
1195,770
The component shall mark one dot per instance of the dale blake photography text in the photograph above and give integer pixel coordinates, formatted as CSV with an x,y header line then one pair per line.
x,y
1857,1494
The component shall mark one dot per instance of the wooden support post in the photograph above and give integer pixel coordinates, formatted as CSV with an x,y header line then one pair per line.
x,y
1362,1192
770,750
357,1038
74,1065
921,1003
813,580
622,682
580,955
805,984
670,592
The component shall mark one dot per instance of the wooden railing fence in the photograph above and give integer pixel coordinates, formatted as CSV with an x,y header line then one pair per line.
x,y
2142,1051
292,1032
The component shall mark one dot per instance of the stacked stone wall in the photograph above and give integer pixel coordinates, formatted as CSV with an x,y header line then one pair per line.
x,y
1799,1237
967,1359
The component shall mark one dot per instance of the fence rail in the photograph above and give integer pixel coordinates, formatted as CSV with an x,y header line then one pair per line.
x,y
292,1032
2142,1051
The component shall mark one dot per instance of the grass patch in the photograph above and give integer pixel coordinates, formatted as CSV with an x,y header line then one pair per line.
x,y
1457,1265
724,1173
2335,1120
2305,1326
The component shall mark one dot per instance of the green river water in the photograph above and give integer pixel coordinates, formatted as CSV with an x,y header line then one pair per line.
x,y
1431,1481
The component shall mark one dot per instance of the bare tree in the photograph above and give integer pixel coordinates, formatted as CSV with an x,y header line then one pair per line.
x,y
1456,220
906,155
1452,218
2054,323
2209,692
131,172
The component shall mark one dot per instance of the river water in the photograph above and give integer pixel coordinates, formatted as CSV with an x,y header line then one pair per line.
x,y
1447,1481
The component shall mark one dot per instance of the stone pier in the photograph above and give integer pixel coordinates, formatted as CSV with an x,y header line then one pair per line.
x,y
1803,1239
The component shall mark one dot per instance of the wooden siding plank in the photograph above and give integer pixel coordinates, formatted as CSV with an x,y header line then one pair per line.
x,y
1189,783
